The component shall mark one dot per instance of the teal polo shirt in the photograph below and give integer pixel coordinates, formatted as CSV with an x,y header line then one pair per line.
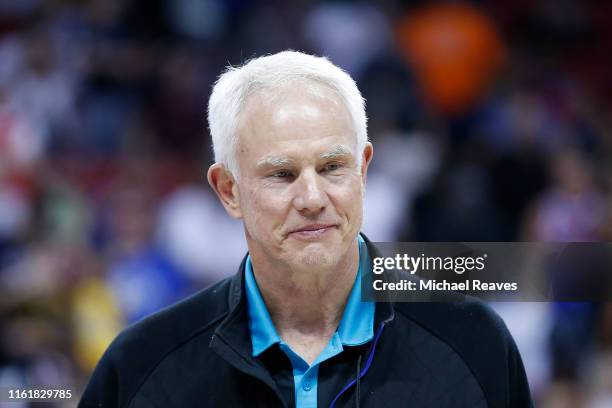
x,y
356,327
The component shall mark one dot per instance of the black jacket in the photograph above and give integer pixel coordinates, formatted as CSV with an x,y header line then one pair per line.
x,y
197,353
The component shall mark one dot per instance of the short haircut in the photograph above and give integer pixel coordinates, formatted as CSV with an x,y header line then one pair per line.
x,y
233,87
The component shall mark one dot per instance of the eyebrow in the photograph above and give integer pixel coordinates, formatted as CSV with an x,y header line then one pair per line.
x,y
279,161
274,161
337,151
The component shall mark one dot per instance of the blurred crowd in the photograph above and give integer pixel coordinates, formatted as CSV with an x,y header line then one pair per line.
x,y
490,122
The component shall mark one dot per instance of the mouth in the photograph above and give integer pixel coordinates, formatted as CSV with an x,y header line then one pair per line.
x,y
312,231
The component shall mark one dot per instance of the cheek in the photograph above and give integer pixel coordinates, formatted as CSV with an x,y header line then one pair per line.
x,y
263,209
349,201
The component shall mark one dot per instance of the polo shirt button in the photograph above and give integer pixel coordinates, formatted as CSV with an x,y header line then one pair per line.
x,y
307,386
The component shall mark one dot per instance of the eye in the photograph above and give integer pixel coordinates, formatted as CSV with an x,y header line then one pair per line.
x,y
332,166
281,174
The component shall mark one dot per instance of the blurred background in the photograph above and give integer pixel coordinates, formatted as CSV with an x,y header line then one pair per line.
x,y
490,122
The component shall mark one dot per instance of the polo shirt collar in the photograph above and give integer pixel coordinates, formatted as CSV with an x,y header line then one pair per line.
x,y
263,332
356,326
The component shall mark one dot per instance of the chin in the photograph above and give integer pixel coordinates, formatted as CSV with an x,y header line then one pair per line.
x,y
319,254
316,257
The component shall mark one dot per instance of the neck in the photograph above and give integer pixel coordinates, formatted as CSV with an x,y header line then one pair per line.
x,y
307,303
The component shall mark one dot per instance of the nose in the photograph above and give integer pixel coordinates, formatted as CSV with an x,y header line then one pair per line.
x,y
310,196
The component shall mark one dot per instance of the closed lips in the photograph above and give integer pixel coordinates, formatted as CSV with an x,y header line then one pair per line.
x,y
313,227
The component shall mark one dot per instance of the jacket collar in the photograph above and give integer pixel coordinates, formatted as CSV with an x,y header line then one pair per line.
x,y
231,338
385,311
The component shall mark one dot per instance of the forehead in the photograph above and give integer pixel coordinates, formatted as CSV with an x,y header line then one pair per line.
x,y
296,119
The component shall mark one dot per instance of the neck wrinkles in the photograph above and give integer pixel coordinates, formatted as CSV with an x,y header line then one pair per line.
x,y
309,303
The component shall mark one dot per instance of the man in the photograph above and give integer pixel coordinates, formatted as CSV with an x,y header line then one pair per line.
x,y
289,329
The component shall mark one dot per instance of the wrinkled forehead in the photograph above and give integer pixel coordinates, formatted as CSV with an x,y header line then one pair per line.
x,y
294,104
295,87
305,93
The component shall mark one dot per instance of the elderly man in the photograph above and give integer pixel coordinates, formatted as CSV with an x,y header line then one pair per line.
x,y
290,329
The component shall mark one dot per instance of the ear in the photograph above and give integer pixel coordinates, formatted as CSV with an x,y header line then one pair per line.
x,y
368,152
224,185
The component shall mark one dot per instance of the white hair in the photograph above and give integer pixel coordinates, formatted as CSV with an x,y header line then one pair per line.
x,y
269,72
